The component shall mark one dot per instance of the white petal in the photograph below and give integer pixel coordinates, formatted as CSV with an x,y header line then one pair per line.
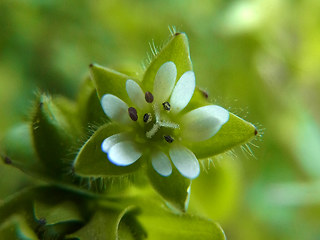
x,y
185,161
182,92
124,153
115,108
112,140
202,123
164,82
136,94
161,163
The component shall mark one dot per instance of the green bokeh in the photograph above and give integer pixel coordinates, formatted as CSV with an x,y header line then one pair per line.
x,y
259,59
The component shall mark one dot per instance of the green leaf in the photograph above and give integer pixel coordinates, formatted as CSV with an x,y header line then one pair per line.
x,y
89,107
57,217
54,134
175,189
177,51
109,81
16,228
64,211
92,162
235,132
160,223
104,224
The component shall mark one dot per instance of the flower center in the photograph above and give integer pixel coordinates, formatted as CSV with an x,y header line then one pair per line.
x,y
157,122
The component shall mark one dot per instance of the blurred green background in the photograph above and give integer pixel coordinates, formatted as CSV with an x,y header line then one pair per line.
x,y
259,59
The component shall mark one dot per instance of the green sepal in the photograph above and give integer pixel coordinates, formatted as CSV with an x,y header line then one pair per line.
x,y
89,107
109,81
233,133
175,189
16,228
54,132
92,162
177,51
104,224
159,223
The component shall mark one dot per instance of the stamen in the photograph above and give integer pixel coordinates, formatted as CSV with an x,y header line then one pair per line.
x,y
168,138
133,113
147,117
149,97
166,106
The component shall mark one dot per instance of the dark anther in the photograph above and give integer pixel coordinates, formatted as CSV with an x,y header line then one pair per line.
x,y
255,132
178,33
149,97
166,106
91,65
133,113
7,160
42,221
168,138
147,117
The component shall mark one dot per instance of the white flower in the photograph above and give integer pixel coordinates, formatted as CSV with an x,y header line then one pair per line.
x,y
156,126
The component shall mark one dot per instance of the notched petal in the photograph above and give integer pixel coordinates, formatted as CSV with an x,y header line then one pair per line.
x,y
161,163
112,140
185,161
203,123
124,153
183,91
136,94
115,108
164,81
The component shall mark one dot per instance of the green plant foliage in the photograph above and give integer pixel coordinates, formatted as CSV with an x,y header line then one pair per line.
x,y
163,224
109,81
20,153
16,227
175,189
54,133
89,108
104,224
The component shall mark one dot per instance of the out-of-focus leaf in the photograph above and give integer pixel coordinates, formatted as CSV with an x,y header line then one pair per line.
x,y
160,223
175,189
16,228
104,224
109,81
177,51
56,213
220,199
54,134
18,151
92,162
